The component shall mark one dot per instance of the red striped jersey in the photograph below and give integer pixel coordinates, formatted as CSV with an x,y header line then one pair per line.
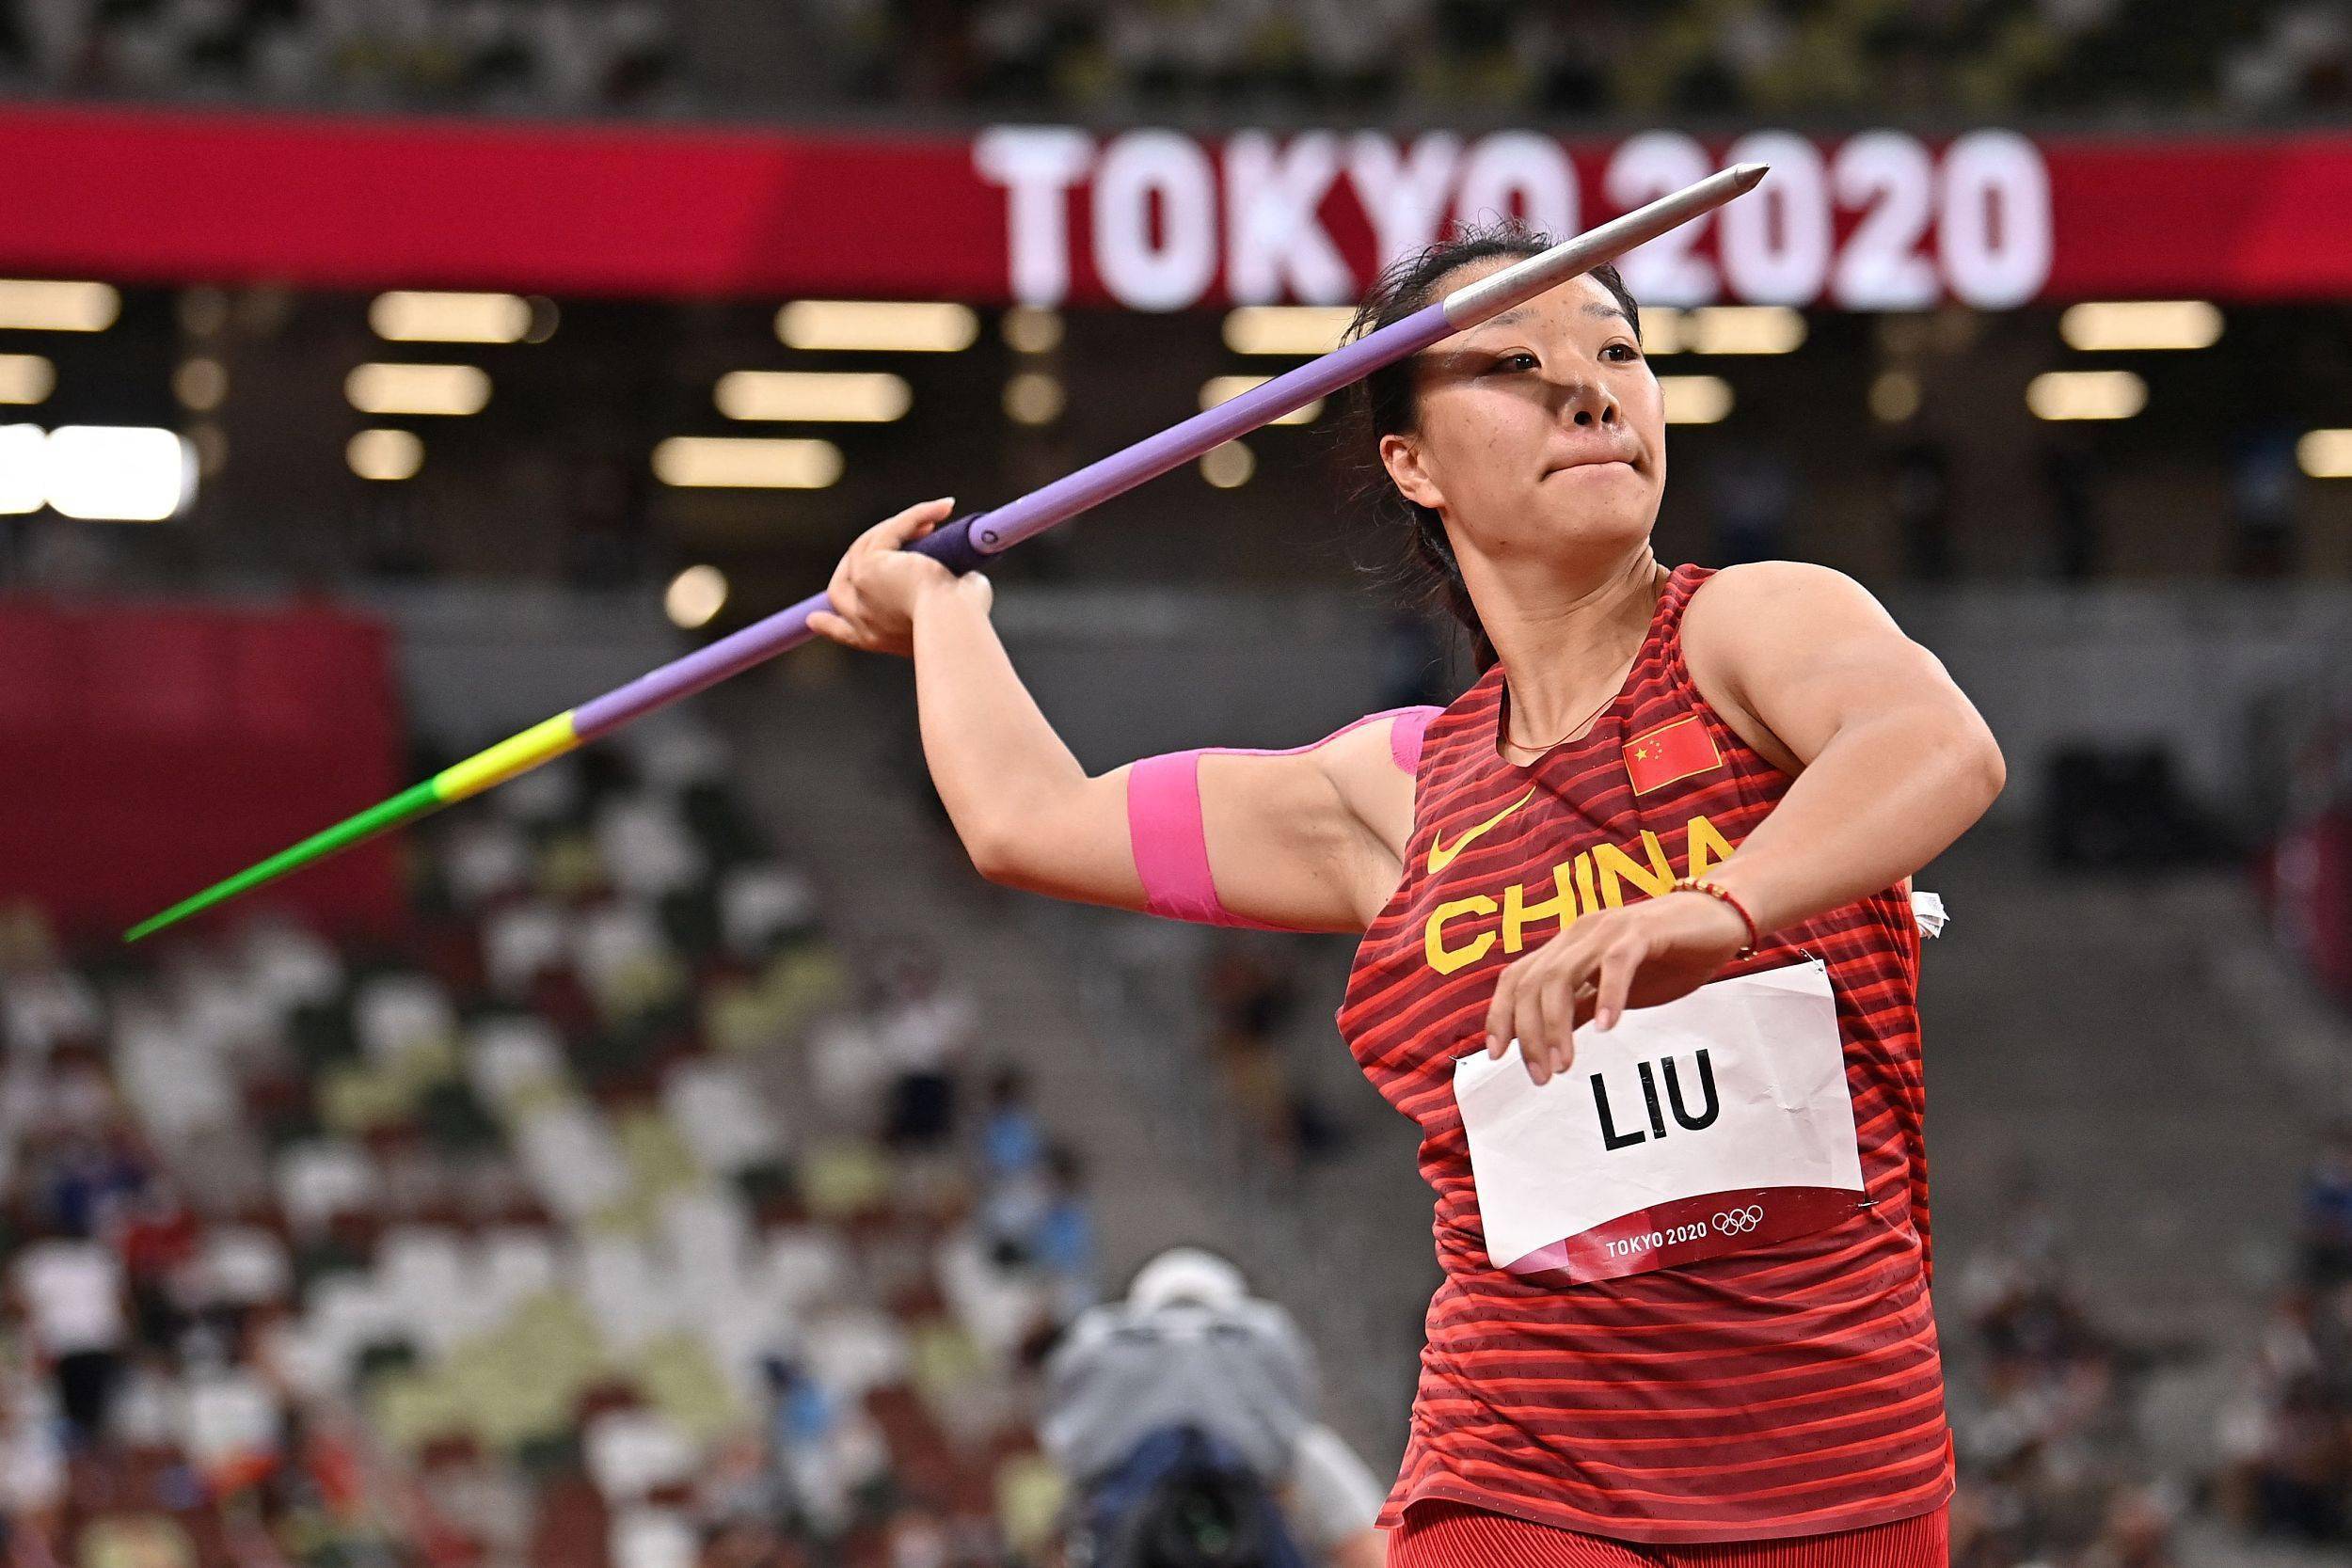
x,y
1791,1388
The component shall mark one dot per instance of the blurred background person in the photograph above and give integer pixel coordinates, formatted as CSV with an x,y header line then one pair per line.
x,y
1185,1417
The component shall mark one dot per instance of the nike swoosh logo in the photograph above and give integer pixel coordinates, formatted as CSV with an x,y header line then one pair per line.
x,y
1440,857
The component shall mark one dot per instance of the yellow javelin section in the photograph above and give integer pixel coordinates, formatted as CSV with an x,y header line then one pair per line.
x,y
516,754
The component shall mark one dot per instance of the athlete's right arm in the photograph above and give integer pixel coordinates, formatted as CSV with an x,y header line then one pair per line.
x,y
1309,840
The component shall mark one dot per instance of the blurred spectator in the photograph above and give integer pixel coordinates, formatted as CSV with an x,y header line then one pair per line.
x,y
72,1299
1013,1142
922,1028
1191,1385
2327,1213
1063,1240
32,1473
1252,993
2302,1466
2052,1465
2265,482
2137,1533
2286,1438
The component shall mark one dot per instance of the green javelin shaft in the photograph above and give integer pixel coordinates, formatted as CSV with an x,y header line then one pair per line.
x,y
407,805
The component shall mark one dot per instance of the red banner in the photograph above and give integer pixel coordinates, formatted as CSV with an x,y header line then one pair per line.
x,y
152,752
1150,219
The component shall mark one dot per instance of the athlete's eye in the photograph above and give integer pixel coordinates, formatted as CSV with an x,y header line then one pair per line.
x,y
1516,360
1625,353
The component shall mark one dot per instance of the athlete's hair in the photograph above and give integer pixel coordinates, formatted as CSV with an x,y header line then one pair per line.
x,y
1385,403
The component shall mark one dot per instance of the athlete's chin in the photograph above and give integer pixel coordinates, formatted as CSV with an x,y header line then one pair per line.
x,y
1618,515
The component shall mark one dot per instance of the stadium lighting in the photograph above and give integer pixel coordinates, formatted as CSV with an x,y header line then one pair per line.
x,y
1893,396
2326,454
1742,329
1031,329
1291,329
203,312
1695,399
695,597
22,450
26,378
1662,329
1224,389
2086,395
118,473
382,389
417,316
844,397
1033,397
200,383
2143,323
732,463
885,326
1228,466
385,455
33,305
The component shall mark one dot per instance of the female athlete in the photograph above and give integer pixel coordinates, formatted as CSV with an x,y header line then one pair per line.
x,y
1639,957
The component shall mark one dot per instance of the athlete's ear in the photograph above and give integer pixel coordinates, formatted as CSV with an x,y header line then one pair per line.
x,y
1400,456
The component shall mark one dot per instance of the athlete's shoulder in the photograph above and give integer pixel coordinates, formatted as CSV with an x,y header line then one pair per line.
x,y
1761,604
1753,584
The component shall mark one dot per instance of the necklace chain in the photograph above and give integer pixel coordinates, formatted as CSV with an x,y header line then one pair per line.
x,y
1548,745
1545,745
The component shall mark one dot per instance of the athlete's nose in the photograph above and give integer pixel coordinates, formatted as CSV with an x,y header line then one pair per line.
x,y
1584,400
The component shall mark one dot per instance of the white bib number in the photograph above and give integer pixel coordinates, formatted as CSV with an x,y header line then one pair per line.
x,y
1713,1122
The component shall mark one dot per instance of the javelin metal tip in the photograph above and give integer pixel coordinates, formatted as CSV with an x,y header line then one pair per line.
x,y
1515,284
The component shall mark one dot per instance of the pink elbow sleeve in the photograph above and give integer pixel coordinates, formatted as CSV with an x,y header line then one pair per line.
x,y
1171,846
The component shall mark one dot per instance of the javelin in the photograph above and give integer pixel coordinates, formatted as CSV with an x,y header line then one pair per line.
x,y
967,542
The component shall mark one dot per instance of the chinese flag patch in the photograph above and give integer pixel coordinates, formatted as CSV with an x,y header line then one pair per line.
x,y
1674,749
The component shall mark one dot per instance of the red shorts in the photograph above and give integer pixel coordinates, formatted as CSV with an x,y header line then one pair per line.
x,y
1439,1534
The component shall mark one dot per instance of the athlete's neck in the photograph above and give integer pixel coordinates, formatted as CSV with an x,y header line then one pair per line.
x,y
1565,645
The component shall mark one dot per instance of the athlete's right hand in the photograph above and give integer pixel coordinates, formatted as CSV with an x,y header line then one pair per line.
x,y
878,584
1642,955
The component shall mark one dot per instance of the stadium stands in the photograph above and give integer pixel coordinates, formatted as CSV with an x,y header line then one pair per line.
x,y
612,1209
1479,57
410,54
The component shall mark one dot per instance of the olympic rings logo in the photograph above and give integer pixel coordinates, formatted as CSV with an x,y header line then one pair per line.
x,y
1739,1222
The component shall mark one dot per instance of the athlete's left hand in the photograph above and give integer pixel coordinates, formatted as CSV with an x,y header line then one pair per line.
x,y
1603,963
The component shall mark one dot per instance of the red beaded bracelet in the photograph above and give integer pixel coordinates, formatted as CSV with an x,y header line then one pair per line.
x,y
1692,884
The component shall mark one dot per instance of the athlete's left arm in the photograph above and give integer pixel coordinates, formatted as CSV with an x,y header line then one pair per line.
x,y
1891,760
1890,764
